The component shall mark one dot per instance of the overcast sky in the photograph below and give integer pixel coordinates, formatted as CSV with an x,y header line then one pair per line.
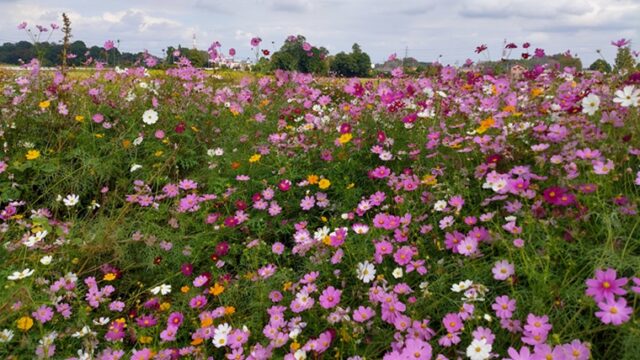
x,y
428,28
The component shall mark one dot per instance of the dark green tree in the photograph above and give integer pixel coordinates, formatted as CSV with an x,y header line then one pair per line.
x,y
600,65
293,57
355,64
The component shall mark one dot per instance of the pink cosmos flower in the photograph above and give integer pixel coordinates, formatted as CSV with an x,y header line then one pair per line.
x,y
108,45
504,307
255,41
362,314
43,314
613,311
198,302
605,285
330,297
307,203
502,270
452,322
468,246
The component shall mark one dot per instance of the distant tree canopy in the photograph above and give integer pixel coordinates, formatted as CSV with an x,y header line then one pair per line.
x,y
294,57
355,64
51,54
600,65
198,58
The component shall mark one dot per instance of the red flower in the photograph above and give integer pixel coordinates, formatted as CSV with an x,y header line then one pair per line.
x,y
181,127
265,52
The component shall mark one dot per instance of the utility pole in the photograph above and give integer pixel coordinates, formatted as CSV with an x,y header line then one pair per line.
x,y
195,47
406,52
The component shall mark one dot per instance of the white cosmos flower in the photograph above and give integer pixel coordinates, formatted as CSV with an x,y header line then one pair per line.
x,y
46,260
366,272
628,96
439,205
19,275
6,335
71,200
36,238
220,340
397,273
163,289
479,350
300,355
150,117
461,286
86,330
135,167
101,321
590,104
223,329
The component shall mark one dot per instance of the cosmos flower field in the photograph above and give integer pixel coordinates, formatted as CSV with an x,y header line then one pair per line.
x,y
459,215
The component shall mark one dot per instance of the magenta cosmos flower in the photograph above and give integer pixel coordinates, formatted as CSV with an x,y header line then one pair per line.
x,y
605,285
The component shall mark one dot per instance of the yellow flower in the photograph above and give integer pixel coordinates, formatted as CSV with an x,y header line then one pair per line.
x,y
184,289
158,153
326,240
145,339
324,184
216,289
32,154
79,118
351,186
535,92
345,138
287,286
429,180
229,310
196,341
294,346
313,179
44,104
323,219
24,323
165,306
99,136
109,276
255,158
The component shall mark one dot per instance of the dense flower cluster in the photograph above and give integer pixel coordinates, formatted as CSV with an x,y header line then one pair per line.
x,y
455,215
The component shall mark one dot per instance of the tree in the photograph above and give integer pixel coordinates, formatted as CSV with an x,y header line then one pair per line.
x,y
355,64
293,56
600,65
624,60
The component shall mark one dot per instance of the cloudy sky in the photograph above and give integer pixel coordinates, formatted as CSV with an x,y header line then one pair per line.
x,y
427,28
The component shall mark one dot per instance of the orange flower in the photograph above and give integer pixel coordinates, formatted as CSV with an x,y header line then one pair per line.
x,y
216,289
